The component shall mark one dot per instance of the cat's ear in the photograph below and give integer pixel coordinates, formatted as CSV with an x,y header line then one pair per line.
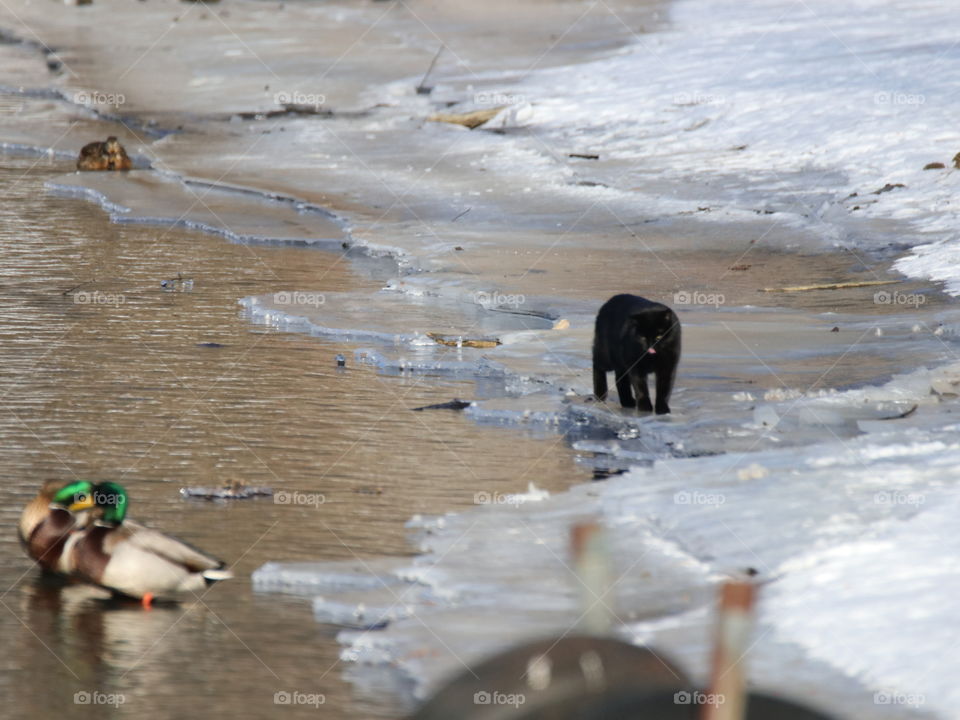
x,y
668,321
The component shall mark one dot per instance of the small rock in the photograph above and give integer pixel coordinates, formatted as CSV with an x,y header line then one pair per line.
x,y
454,404
934,166
368,490
604,473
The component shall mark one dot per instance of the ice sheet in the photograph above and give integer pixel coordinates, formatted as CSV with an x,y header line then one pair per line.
x,y
846,536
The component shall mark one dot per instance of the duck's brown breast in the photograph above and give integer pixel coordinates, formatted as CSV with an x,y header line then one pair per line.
x,y
45,544
91,559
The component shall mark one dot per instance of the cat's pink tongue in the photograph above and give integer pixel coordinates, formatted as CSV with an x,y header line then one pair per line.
x,y
651,351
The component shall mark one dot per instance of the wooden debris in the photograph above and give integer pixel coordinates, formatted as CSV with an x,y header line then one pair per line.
x,y
830,286
290,109
584,156
472,119
944,387
231,490
460,341
887,188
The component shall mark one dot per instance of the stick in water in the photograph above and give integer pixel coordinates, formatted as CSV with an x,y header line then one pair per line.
x,y
421,89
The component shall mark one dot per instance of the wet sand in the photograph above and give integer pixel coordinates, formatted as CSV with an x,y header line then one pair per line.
x,y
439,197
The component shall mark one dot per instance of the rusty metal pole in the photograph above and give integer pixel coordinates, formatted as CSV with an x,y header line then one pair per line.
x,y
591,562
727,695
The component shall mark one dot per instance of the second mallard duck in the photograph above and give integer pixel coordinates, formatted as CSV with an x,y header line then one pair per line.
x,y
133,560
109,155
47,526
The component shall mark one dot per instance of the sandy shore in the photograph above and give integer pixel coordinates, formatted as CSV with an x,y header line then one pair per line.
x,y
462,212
417,188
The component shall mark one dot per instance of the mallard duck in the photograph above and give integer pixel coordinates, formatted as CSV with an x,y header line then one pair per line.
x,y
133,560
47,525
109,155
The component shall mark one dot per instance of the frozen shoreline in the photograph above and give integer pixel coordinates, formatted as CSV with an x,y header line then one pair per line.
x,y
860,508
674,177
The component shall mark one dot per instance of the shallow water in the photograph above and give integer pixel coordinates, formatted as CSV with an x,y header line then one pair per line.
x,y
105,374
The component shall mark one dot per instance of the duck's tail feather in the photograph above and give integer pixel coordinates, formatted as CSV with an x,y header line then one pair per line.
x,y
212,576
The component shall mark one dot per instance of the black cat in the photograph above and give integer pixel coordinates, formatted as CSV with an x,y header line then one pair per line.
x,y
635,337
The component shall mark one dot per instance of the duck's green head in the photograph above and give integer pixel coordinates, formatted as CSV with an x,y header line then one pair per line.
x,y
74,496
111,498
